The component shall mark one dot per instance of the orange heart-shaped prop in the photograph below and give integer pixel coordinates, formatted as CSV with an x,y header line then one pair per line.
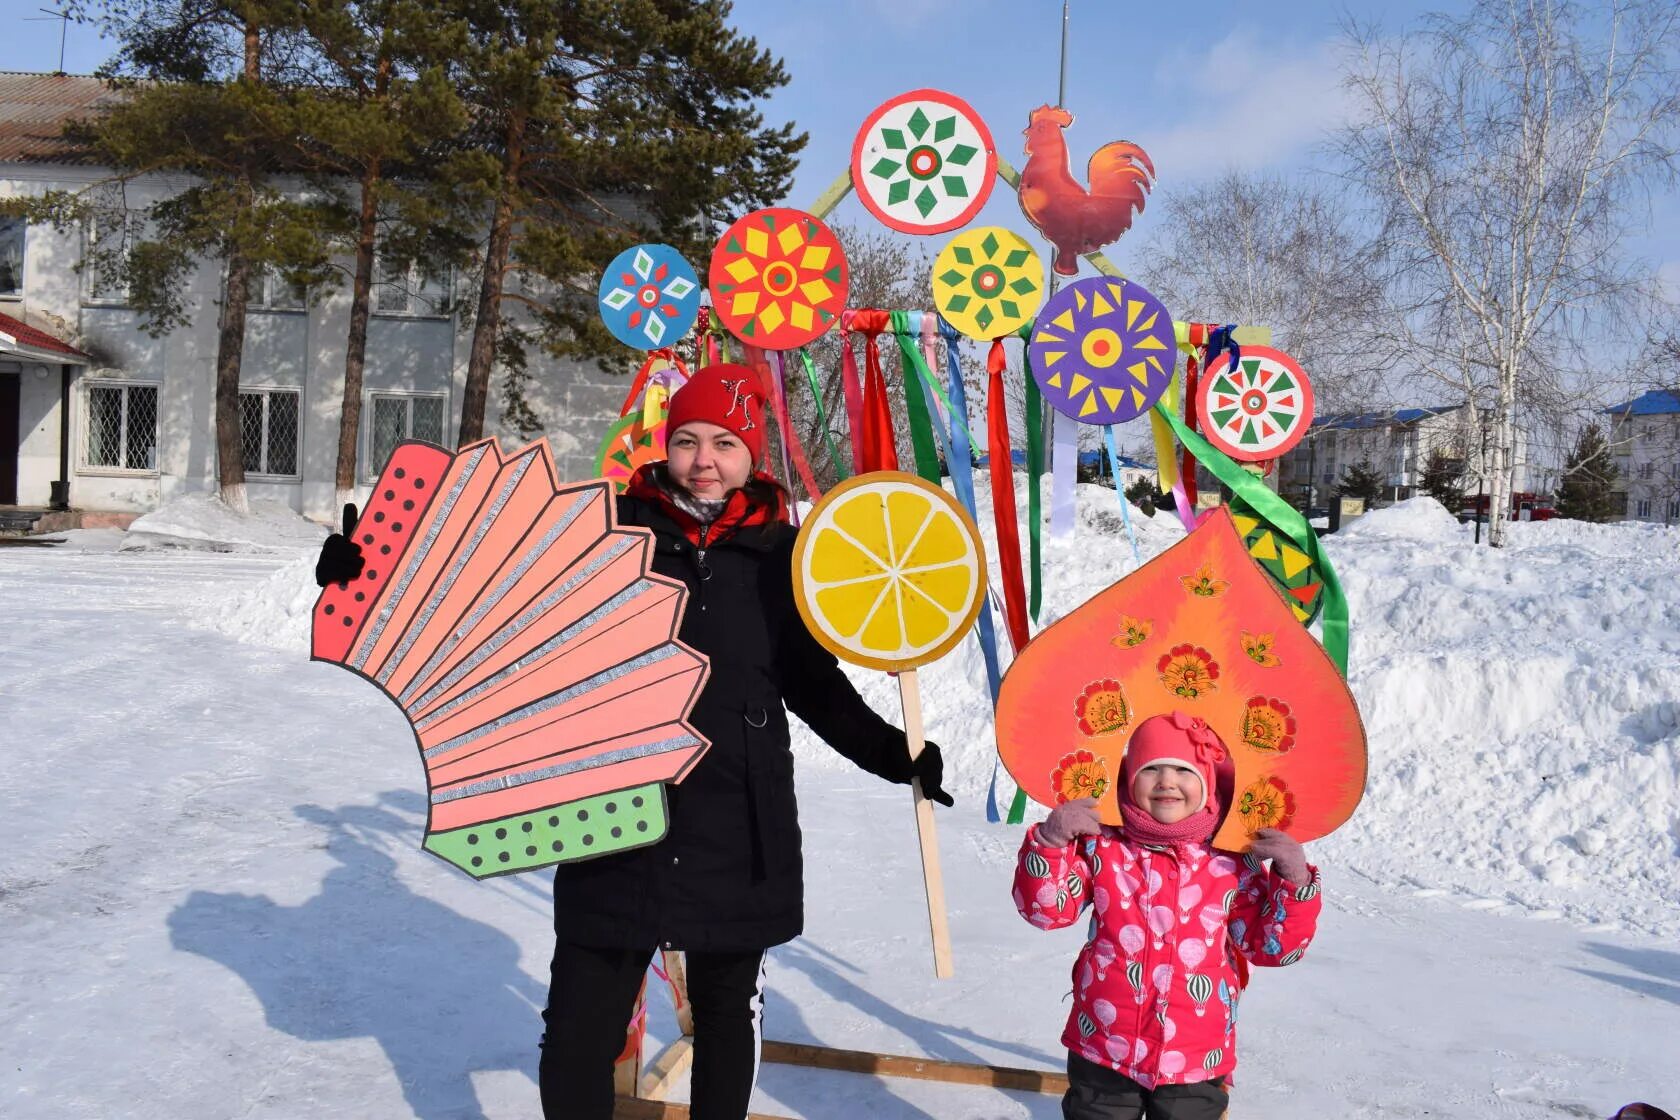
x,y
1199,629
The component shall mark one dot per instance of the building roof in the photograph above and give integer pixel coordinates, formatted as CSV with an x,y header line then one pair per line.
x,y
34,108
18,337
1350,421
1658,402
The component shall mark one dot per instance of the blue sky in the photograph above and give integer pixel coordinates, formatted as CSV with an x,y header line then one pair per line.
x,y
1203,86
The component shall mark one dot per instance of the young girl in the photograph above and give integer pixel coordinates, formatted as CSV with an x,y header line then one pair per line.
x,y
1153,1027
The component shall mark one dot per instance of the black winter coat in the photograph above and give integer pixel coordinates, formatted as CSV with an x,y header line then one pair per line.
x,y
728,875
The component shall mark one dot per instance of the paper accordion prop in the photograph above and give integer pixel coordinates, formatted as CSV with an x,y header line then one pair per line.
x,y
520,631
1198,629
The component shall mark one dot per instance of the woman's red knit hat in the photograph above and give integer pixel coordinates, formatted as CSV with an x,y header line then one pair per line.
x,y
729,396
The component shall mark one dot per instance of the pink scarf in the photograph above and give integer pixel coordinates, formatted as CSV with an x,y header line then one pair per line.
x,y
1197,828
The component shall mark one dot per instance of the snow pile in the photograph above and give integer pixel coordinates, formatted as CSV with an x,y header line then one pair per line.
x,y
1523,709
1417,519
273,612
201,521
1522,705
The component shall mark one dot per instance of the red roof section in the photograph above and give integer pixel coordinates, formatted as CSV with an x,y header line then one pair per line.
x,y
34,108
27,335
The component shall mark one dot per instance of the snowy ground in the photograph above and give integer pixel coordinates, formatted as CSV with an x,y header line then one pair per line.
x,y
214,903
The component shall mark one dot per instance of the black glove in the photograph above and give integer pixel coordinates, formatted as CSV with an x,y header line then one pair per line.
x,y
341,557
929,769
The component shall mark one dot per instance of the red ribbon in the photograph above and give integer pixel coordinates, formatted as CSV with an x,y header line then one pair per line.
x,y
853,389
1198,339
1003,497
880,450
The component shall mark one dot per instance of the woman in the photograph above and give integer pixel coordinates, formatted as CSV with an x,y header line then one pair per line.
x,y
726,883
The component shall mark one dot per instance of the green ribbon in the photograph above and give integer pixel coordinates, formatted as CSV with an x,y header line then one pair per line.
x,y
1035,468
1282,517
915,399
840,466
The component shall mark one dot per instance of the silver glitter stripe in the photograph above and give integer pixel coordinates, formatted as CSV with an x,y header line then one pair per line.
x,y
446,583
556,699
415,556
513,781
538,653
526,617
496,596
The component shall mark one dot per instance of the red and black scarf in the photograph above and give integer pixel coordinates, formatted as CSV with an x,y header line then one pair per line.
x,y
762,501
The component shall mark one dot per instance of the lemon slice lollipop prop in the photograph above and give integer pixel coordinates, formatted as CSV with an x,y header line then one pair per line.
x,y
889,572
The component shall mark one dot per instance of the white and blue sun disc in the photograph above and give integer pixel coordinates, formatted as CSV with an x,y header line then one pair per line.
x,y
649,296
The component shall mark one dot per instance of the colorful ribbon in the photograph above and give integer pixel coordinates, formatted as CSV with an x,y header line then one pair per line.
x,y
791,443
1120,489
841,468
1035,473
1282,517
852,387
916,409
880,450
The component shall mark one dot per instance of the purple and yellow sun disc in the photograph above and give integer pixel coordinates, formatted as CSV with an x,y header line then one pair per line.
x,y
1102,350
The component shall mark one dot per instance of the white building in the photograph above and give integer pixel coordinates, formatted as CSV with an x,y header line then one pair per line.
x,y
1398,445
108,418
1645,441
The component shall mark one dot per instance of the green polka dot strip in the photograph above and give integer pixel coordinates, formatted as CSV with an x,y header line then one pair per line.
x,y
578,830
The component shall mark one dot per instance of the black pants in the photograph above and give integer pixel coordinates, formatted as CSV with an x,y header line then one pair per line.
x,y
591,995
1099,1093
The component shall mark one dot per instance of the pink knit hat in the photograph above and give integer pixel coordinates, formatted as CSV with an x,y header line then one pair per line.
x,y
1183,740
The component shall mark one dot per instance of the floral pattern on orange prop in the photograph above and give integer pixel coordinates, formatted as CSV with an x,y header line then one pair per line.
x,y
1203,583
1133,631
1246,633
779,279
1080,774
1267,803
1259,648
1102,708
1268,726
1188,671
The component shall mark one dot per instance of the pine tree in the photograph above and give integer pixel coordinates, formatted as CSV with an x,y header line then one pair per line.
x,y
1587,492
387,104
209,98
597,126
1443,479
1362,481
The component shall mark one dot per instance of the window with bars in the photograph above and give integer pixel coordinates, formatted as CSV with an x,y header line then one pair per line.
x,y
404,288
399,417
1643,510
267,290
110,237
11,256
268,421
1646,470
122,428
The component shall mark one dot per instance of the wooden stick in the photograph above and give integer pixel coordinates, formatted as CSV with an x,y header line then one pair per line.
x,y
910,695
665,1068
925,1069
834,195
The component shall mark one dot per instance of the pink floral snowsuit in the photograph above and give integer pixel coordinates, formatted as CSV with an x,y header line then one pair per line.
x,y
1155,989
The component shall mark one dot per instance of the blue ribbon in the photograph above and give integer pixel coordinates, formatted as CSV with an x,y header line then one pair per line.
x,y
959,459
1222,340
1120,492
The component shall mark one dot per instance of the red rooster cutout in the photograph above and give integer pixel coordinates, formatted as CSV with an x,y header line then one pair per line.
x,y
1072,218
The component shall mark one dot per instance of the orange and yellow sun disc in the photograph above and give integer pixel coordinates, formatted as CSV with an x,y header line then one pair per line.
x,y
779,279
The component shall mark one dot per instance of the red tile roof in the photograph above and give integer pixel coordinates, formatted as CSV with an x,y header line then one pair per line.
x,y
34,108
27,335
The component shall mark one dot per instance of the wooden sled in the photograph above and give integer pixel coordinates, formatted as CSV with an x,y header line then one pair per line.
x,y
641,1090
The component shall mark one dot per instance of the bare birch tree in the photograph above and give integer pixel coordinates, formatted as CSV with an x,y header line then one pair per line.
x,y
1504,152
1262,249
